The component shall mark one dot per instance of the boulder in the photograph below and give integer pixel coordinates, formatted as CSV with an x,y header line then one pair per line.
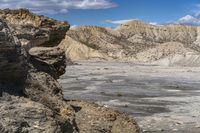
x,y
53,60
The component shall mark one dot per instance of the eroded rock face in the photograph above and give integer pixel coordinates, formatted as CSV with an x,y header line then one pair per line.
x,y
34,102
52,58
21,115
12,62
92,118
34,30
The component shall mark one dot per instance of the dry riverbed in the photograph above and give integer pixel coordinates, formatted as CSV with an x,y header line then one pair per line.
x,y
161,99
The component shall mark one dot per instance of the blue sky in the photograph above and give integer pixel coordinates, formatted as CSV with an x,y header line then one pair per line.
x,y
155,11
113,12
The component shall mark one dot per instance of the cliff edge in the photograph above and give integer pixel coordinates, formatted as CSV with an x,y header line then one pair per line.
x,y
34,30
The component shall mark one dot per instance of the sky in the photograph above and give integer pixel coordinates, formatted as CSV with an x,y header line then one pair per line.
x,y
111,13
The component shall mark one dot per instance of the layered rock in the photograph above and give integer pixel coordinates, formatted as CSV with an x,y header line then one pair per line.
x,y
21,115
34,102
34,30
52,58
134,41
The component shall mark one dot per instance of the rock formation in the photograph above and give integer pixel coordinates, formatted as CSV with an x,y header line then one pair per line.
x,y
52,58
135,41
12,59
18,114
31,99
34,30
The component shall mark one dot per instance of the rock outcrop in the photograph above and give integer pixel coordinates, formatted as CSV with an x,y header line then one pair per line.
x,y
34,101
19,114
134,41
53,60
34,30
11,56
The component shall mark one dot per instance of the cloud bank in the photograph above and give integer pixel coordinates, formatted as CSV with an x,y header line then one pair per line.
x,y
123,21
56,6
191,19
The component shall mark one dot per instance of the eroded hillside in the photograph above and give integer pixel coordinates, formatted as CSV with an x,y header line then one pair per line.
x,y
133,41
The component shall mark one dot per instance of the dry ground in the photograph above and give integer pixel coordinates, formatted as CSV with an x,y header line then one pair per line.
x,y
161,99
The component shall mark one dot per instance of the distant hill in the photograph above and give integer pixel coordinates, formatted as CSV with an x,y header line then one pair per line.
x,y
135,41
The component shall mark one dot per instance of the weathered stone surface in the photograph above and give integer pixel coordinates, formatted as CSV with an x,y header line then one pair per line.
x,y
12,62
21,115
53,60
92,118
34,30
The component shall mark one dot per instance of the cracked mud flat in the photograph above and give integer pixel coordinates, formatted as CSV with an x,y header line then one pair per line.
x,y
161,99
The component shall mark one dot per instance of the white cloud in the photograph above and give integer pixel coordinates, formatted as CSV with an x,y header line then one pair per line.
x,y
120,21
56,6
153,23
190,19
157,24
123,21
73,26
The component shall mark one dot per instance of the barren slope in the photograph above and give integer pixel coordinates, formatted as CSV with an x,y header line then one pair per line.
x,y
133,41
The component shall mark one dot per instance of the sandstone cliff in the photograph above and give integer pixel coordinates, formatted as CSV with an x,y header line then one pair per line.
x,y
34,30
31,99
134,41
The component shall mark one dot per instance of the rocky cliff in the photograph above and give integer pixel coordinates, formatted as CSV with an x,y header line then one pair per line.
x,y
34,30
134,41
11,57
31,99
